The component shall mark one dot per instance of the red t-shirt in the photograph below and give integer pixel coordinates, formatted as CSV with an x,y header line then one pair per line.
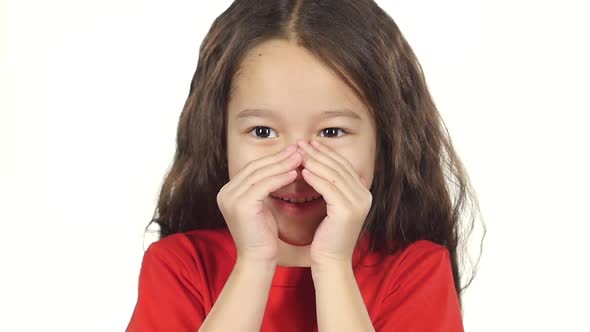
x,y
183,274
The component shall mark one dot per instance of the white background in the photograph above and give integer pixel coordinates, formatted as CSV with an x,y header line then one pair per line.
x,y
90,94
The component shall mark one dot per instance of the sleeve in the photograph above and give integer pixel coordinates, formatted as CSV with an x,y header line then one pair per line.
x,y
423,298
168,299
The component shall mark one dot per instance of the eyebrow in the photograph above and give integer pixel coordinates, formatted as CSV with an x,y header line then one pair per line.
x,y
261,113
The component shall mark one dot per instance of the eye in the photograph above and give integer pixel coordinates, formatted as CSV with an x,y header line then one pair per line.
x,y
332,132
262,131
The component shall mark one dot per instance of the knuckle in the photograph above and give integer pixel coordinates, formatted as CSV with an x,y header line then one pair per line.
x,y
369,197
222,189
369,202
220,197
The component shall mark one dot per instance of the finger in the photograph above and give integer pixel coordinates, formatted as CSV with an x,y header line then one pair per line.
x,y
331,158
260,190
344,173
330,192
256,164
282,166
343,161
344,184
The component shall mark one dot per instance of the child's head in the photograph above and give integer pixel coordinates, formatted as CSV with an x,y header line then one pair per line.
x,y
281,94
298,59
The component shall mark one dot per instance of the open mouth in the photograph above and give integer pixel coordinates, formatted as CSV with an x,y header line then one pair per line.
x,y
298,200
300,206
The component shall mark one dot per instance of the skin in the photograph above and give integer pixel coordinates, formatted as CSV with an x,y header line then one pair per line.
x,y
282,77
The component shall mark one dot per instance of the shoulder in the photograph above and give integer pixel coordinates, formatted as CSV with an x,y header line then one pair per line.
x,y
414,252
422,254
420,260
192,247
424,249
419,284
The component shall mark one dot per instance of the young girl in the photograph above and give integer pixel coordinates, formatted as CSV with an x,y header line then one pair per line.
x,y
312,186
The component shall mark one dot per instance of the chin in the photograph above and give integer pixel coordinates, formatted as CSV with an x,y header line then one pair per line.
x,y
296,240
297,243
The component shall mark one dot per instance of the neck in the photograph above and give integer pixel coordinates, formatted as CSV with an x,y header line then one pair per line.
x,y
291,255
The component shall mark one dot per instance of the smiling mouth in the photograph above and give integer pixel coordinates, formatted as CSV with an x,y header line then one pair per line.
x,y
298,200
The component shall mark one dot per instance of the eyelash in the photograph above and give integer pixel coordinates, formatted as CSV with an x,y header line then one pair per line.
x,y
344,131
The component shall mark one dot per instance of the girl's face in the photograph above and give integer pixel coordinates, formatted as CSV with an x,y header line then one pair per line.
x,y
293,90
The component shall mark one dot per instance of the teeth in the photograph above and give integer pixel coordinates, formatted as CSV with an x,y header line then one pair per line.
x,y
300,200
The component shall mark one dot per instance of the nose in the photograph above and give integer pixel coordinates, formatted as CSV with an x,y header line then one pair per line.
x,y
299,168
295,141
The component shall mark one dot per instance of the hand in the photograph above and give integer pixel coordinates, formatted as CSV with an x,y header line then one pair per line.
x,y
241,202
347,202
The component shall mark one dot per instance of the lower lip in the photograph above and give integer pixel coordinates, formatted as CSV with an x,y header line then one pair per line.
x,y
297,208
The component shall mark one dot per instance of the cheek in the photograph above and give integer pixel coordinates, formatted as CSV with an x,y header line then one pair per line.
x,y
366,176
238,156
363,168
236,163
236,159
362,162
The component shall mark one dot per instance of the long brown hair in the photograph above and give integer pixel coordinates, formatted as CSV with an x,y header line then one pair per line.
x,y
420,188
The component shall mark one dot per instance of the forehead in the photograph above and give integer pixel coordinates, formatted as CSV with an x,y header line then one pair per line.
x,y
282,76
